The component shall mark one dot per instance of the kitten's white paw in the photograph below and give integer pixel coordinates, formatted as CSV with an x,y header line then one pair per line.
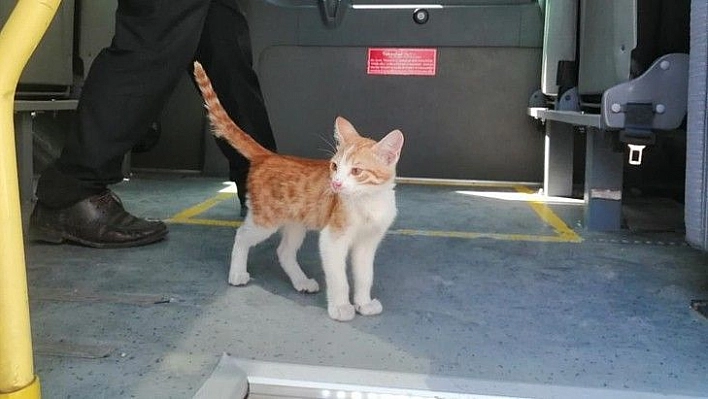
x,y
369,309
239,278
342,312
307,285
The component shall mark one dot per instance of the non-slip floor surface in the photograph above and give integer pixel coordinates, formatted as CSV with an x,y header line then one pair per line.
x,y
476,283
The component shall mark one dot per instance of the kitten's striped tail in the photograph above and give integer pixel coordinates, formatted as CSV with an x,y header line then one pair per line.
x,y
222,124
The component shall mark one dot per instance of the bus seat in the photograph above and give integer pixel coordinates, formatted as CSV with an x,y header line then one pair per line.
x,y
620,39
559,41
632,72
608,34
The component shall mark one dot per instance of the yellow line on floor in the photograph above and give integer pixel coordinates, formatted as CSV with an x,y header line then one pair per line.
x,y
474,235
469,235
564,233
207,222
550,218
186,215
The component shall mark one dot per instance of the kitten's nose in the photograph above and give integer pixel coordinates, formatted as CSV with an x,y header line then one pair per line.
x,y
336,185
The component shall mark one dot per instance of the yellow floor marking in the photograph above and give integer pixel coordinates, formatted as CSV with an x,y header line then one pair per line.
x,y
550,218
186,215
208,222
563,232
472,235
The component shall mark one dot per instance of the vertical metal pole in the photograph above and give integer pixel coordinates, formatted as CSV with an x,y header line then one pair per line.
x,y
18,39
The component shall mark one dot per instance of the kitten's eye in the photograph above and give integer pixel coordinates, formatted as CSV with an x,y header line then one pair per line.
x,y
355,171
333,166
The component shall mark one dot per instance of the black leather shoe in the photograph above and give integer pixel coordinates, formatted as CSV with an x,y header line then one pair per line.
x,y
99,222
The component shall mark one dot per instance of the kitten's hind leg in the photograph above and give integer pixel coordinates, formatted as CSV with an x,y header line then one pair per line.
x,y
293,236
248,235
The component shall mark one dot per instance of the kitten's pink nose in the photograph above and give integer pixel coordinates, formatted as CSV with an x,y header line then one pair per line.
x,y
336,185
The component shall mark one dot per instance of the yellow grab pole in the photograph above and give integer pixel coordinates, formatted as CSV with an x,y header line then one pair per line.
x,y
18,39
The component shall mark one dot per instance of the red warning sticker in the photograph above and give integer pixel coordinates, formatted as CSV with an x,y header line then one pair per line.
x,y
402,61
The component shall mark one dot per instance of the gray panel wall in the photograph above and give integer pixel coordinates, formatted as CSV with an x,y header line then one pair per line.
x,y
51,63
467,122
697,145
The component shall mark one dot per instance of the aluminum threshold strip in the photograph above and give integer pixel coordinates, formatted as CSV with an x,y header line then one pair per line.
x,y
267,380
267,388
282,380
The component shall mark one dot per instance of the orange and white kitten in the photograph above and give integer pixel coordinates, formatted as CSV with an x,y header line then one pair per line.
x,y
349,199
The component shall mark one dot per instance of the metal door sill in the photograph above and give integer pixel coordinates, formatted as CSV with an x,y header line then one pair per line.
x,y
240,378
236,378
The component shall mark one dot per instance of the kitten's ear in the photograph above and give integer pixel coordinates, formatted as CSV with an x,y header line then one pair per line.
x,y
344,131
389,148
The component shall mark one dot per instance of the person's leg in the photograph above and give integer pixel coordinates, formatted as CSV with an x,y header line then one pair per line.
x,y
125,90
225,52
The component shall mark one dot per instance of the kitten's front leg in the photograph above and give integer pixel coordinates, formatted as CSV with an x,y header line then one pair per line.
x,y
363,253
333,249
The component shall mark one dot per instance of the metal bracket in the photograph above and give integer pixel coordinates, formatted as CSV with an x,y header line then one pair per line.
x,y
568,100
538,100
656,100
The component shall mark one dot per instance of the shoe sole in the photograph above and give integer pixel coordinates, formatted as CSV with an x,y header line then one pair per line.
x,y
55,237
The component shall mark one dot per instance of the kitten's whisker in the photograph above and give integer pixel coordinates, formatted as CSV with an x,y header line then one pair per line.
x,y
329,143
329,153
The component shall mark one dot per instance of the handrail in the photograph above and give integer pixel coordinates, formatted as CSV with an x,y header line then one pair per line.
x,y
18,39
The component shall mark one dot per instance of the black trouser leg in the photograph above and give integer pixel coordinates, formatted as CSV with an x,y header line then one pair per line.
x,y
225,52
126,88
